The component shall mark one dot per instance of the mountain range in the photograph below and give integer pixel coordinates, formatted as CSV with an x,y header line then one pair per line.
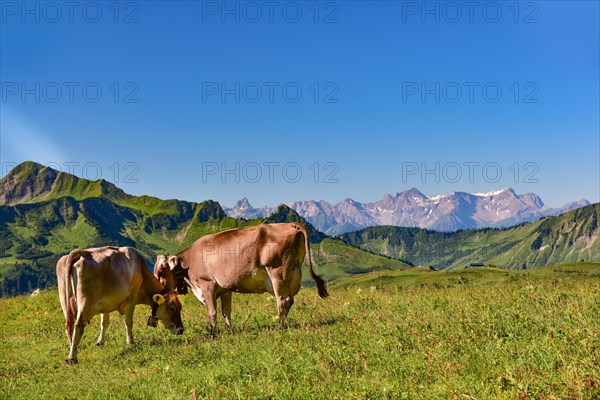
x,y
411,208
45,214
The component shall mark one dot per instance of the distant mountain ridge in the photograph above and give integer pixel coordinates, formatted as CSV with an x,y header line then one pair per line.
x,y
569,237
411,208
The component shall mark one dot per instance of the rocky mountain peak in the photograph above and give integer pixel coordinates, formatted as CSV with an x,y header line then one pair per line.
x,y
30,182
243,204
25,182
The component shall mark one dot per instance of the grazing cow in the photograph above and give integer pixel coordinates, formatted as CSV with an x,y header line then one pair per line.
x,y
263,258
165,271
101,280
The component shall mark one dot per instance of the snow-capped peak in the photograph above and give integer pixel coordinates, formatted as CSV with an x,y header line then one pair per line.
x,y
493,193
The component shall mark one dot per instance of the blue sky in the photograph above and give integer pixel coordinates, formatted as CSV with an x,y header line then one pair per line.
x,y
204,101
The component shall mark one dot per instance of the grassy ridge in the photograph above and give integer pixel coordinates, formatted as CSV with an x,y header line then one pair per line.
x,y
335,259
534,335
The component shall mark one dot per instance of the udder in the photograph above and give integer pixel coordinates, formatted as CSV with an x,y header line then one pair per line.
x,y
259,282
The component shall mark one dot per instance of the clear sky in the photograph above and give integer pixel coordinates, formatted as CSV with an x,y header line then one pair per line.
x,y
281,101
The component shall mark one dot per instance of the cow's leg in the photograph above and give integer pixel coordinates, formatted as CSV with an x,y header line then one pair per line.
x,y
285,288
211,308
281,310
205,292
281,291
293,288
77,334
129,323
226,307
289,303
104,322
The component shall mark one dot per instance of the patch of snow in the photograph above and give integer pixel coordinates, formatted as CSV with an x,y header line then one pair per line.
x,y
437,197
493,193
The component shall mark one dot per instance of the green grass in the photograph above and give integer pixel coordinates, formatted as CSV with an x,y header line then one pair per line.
x,y
148,204
419,277
79,231
7,264
531,334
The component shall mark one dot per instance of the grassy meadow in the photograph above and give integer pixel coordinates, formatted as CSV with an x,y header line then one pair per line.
x,y
415,334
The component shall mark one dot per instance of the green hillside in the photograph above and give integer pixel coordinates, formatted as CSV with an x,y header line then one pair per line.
x,y
425,277
47,214
569,237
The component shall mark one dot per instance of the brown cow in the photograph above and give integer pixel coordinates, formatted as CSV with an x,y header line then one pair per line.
x,y
101,280
263,258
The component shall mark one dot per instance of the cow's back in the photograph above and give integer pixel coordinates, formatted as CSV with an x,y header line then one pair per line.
x,y
226,256
237,259
108,277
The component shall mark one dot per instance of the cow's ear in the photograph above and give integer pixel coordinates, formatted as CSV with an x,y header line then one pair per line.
x,y
158,298
173,261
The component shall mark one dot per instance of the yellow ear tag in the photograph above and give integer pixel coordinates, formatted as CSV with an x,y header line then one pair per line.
x,y
158,299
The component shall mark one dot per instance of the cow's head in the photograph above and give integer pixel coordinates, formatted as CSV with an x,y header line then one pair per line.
x,y
163,270
171,273
169,311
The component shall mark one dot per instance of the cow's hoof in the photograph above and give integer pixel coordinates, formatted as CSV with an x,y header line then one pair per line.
x,y
71,361
99,343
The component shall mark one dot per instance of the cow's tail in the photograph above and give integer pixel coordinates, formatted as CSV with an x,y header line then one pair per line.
x,y
321,286
70,281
